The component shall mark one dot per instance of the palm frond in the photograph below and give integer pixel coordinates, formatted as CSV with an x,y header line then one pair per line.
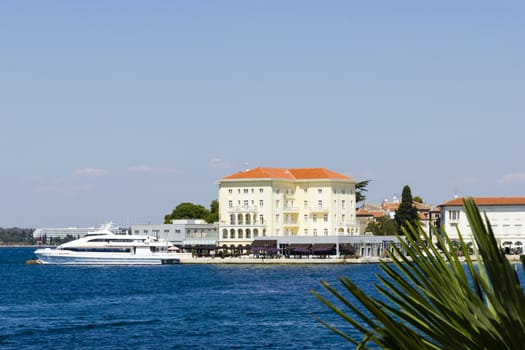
x,y
437,301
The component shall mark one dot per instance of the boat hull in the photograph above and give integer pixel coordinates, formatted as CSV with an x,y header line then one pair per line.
x,y
64,257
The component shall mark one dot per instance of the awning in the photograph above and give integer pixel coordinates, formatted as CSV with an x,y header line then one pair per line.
x,y
322,247
197,242
299,247
261,244
346,248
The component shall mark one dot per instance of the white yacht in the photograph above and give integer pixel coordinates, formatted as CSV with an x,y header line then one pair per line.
x,y
104,247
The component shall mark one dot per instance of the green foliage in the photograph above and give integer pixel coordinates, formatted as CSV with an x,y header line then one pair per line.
x,y
418,199
382,226
194,211
214,212
15,235
406,213
360,189
438,301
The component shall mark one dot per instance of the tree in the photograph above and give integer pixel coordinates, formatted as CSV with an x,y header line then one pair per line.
x,y
406,213
360,189
214,212
431,301
383,226
187,211
418,199
194,211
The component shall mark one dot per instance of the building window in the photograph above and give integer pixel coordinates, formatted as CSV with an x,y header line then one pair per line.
x,y
245,191
166,231
315,232
305,204
343,204
325,218
261,190
261,203
177,231
343,218
277,203
225,234
453,215
240,234
248,233
245,204
305,217
230,191
232,234
252,190
232,219
230,204
137,232
320,191
261,219
326,232
314,218
277,218
277,191
239,191
320,204
306,232
343,191
305,190
145,231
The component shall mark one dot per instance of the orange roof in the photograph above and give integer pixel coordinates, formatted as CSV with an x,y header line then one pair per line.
x,y
488,201
283,173
366,212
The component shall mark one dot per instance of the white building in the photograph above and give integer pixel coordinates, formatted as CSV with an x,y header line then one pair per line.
x,y
45,234
279,202
506,215
180,232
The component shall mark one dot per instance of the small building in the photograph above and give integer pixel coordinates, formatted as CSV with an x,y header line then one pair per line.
x,y
506,216
298,247
191,235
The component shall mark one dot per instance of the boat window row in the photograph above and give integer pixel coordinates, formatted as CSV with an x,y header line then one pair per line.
x,y
116,240
99,249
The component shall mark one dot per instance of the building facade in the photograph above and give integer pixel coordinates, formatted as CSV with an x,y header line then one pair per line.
x,y
506,216
282,202
180,232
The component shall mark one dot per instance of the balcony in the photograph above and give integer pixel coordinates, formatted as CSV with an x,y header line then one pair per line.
x,y
318,209
290,209
290,223
243,209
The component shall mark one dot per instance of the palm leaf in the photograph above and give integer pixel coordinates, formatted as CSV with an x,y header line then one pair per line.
x,y
434,301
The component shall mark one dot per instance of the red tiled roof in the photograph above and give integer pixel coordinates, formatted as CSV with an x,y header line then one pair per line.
x,y
488,201
283,173
366,212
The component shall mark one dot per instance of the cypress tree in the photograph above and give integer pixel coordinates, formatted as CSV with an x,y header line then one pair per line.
x,y
406,211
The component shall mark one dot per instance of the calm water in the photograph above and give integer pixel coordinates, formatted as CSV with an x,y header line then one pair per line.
x,y
166,307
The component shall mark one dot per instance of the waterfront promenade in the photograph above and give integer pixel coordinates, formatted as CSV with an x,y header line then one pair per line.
x,y
187,258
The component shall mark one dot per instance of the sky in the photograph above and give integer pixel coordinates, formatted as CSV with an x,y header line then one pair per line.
x,y
121,110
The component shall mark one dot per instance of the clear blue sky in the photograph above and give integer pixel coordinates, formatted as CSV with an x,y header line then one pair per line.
x,y
120,110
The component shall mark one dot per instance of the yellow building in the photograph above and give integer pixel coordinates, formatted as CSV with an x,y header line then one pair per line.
x,y
278,202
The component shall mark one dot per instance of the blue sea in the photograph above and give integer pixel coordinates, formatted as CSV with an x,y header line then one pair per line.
x,y
168,307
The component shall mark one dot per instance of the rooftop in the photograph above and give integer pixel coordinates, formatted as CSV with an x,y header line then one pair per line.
x,y
289,174
487,201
